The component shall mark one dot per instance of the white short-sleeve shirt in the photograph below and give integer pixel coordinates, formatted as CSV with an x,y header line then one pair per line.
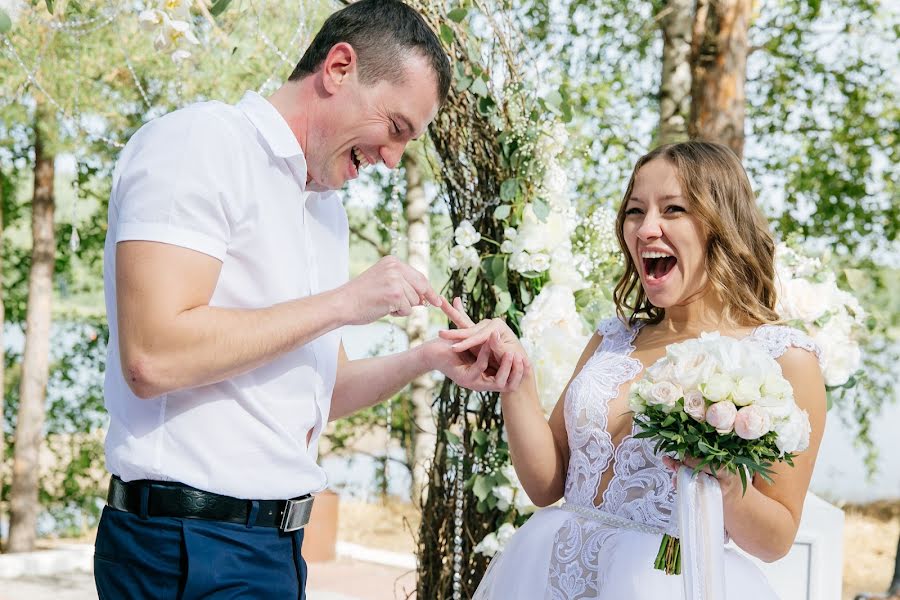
x,y
228,181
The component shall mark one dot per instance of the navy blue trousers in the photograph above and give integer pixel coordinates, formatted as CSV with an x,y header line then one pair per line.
x,y
167,558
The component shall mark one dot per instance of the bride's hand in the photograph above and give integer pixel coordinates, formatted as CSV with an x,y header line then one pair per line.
x,y
729,483
470,337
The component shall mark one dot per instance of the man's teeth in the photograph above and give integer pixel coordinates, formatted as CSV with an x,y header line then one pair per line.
x,y
655,255
361,158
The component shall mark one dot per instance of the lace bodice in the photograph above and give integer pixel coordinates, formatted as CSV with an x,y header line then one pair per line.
x,y
641,488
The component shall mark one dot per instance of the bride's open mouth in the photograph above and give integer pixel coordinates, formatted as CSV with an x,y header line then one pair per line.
x,y
657,265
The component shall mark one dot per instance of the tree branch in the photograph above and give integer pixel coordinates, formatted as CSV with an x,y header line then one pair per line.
x,y
376,244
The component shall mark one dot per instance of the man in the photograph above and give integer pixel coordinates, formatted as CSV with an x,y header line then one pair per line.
x,y
225,269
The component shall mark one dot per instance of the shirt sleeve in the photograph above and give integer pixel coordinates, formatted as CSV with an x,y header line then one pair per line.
x,y
180,184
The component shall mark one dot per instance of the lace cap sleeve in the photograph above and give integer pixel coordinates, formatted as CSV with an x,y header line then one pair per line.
x,y
778,338
617,336
611,326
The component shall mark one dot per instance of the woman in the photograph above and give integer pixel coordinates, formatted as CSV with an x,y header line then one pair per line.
x,y
699,257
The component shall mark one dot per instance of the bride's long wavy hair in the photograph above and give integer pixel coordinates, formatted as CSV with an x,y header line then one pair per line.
x,y
740,251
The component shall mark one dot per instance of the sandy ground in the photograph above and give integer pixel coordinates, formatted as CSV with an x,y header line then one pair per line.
x,y
870,537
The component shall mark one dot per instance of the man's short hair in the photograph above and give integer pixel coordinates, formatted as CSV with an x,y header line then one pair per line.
x,y
383,33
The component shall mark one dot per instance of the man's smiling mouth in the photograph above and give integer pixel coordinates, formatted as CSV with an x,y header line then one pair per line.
x,y
359,159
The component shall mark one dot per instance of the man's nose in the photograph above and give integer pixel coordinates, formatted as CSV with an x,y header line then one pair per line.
x,y
392,153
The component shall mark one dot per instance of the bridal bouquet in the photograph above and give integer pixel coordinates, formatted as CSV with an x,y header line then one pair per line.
x,y
723,401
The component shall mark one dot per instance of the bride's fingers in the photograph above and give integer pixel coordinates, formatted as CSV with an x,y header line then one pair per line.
x,y
518,371
460,334
475,339
502,376
456,314
482,361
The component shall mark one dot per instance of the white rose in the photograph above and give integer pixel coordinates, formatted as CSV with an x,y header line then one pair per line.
x,y
695,405
553,334
752,422
841,355
721,416
803,300
536,235
637,395
489,546
463,258
691,370
776,386
540,262
747,390
664,394
793,432
505,533
466,235
718,387
520,261
504,495
662,370
563,270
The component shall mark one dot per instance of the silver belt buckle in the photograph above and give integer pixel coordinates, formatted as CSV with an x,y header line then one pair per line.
x,y
296,514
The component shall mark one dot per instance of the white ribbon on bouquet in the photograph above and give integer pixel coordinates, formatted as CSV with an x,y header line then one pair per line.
x,y
702,525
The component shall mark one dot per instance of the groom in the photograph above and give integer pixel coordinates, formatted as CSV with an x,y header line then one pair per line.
x,y
225,270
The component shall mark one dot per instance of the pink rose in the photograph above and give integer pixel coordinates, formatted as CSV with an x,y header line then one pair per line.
x,y
721,415
695,405
752,422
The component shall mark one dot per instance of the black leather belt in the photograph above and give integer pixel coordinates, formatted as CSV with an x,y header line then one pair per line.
x,y
170,499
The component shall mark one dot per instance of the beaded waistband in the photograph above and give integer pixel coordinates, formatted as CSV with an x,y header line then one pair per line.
x,y
607,518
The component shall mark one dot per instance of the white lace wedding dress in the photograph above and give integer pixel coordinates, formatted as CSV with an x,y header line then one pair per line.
x,y
584,551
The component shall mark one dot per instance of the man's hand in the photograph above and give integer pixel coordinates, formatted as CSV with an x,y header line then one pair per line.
x,y
471,336
488,355
390,287
474,372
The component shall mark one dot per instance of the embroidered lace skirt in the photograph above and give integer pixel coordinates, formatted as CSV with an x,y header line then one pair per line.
x,y
561,555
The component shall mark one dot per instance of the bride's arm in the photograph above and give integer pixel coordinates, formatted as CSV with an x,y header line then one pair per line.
x,y
539,448
764,522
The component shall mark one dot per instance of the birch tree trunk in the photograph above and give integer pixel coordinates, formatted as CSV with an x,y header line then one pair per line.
x,y
676,21
24,506
422,388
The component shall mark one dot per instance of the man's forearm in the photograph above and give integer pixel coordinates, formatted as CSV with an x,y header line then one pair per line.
x,y
368,381
206,344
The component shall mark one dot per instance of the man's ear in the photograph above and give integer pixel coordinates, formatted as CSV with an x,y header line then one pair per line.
x,y
338,67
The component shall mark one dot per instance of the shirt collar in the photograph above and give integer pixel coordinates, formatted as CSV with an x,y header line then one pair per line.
x,y
271,125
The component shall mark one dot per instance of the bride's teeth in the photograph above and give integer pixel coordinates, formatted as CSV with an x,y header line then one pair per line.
x,y
655,255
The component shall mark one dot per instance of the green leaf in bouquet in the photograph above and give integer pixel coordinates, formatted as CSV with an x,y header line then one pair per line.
x,y
669,420
452,437
743,475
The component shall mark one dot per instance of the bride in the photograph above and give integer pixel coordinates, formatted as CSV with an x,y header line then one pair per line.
x,y
699,257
